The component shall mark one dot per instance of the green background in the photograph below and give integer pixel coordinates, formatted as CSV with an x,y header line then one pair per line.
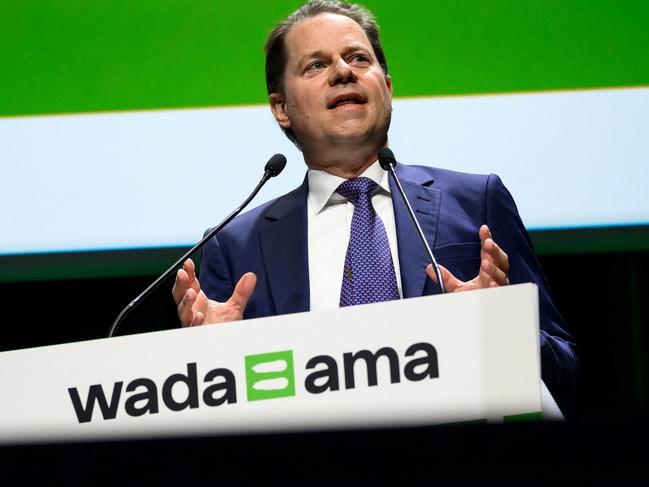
x,y
74,56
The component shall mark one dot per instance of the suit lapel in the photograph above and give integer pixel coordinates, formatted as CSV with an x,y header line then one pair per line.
x,y
425,202
285,251
284,242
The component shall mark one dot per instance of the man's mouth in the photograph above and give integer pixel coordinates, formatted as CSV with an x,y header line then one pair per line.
x,y
347,99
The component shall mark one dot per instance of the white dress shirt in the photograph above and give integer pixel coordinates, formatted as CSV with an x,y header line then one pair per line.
x,y
329,227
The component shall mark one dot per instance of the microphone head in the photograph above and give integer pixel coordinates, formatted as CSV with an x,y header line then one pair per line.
x,y
275,165
386,158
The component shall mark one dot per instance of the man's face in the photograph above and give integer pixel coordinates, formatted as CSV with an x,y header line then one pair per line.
x,y
335,92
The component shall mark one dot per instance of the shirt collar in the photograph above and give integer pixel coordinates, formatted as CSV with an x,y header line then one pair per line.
x,y
322,186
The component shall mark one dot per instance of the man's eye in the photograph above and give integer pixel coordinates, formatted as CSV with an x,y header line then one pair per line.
x,y
360,58
315,65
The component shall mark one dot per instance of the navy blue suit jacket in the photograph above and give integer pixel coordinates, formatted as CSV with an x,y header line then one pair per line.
x,y
271,241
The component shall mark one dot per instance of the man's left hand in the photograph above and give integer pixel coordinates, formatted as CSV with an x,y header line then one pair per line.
x,y
494,268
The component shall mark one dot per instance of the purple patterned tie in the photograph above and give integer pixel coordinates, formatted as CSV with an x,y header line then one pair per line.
x,y
368,275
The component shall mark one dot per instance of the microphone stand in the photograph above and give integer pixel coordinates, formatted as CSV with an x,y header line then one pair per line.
x,y
270,171
387,162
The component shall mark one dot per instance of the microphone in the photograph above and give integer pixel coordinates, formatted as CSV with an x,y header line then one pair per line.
x,y
388,162
274,166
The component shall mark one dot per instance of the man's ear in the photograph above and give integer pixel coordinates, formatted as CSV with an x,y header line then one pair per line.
x,y
278,107
388,83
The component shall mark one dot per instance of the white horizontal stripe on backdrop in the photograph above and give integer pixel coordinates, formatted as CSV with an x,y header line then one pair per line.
x,y
160,178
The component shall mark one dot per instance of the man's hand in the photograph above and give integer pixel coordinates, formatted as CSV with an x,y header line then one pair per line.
x,y
194,308
494,268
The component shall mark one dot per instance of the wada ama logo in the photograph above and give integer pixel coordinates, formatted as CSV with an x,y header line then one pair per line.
x,y
267,376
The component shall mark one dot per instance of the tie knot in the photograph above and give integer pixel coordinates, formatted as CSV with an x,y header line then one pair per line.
x,y
353,189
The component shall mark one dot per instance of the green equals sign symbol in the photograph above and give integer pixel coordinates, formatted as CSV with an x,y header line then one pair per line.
x,y
270,375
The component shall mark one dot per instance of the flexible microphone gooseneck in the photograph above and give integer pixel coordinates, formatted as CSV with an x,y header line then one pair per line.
x,y
273,167
387,162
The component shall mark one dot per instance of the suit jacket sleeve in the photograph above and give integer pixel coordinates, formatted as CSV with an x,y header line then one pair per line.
x,y
215,276
558,357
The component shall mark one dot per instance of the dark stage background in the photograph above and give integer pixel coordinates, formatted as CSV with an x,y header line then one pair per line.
x,y
603,297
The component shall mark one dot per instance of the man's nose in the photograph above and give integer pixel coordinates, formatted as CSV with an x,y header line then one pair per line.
x,y
341,73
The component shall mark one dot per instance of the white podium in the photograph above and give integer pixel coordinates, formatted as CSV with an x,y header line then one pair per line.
x,y
464,357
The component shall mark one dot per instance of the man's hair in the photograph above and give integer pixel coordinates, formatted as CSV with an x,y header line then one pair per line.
x,y
275,46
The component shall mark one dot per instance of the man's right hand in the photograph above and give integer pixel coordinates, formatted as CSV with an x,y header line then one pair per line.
x,y
194,308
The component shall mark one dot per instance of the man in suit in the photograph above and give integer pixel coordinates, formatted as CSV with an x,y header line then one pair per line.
x,y
330,92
